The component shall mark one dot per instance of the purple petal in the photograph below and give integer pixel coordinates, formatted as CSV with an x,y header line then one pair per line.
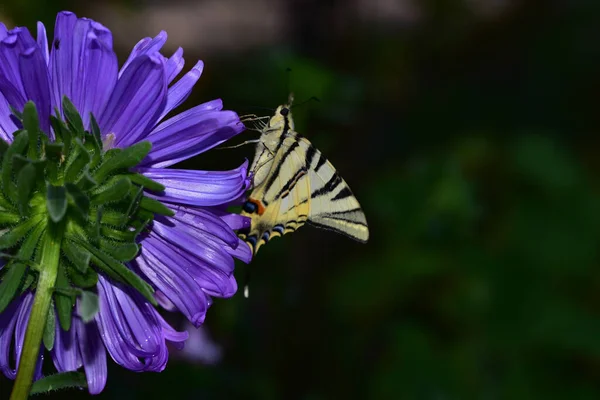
x,y
34,74
199,188
135,100
130,330
175,65
42,41
93,355
190,133
172,279
61,57
182,89
8,320
7,126
101,68
170,334
242,252
65,353
21,327
145,46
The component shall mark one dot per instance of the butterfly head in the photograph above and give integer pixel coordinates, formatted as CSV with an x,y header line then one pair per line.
x,y
282,119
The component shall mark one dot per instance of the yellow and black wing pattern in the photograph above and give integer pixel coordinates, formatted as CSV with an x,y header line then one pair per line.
x,y
295,184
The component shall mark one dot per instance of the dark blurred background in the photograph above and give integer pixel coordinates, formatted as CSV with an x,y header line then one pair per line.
x,y
468,131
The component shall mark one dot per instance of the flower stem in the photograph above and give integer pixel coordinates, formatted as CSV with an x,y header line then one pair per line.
x,y
39,311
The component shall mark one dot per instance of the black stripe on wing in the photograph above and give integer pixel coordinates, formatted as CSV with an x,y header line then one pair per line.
x,y
342,194
330,228
335,180
275,174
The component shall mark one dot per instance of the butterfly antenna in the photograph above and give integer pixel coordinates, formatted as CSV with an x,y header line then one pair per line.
x,y
313,98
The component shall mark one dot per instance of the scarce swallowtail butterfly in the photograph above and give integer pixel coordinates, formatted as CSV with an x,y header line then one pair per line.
x,y
294,184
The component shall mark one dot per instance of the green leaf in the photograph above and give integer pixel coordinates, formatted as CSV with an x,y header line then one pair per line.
x,y
59,381
50,329
95,131
146,182
31,124
116,189
119,272
156,207
72,116
11,282
25,183
64,303
126,158
56,202
89,306
14,235
78,257
80,199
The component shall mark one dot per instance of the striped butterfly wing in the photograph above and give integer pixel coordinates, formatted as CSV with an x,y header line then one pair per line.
x,y
280,203
332,204
302,186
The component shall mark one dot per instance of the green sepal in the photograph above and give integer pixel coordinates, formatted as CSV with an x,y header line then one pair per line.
x,y
31,124
3,147
25,183
8,218
116,189
155,207
117,234
126,158
11,282
14,235
30,243
50,329
17,147
56,202
119,272
86,181
114,218
64,380
78,160
146,182
62,133
97,137
76,255
72,117
54,154
88,306
134,205
88,279
120,251
64,302
79,199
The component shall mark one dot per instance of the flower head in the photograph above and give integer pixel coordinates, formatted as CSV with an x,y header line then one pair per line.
x,y
84,151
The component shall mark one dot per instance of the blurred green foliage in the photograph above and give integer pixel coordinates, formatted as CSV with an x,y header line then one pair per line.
x,y
470,142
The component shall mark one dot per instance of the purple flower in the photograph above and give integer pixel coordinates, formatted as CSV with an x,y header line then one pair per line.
x,y
188,258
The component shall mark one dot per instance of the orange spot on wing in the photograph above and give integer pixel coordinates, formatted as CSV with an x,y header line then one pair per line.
x,y
259,205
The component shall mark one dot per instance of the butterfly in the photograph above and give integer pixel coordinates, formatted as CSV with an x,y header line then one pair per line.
x,y
294,184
